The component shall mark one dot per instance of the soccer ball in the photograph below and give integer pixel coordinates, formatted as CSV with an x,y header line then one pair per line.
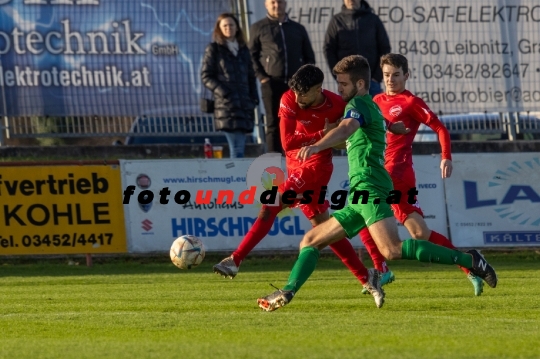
x,y
187,252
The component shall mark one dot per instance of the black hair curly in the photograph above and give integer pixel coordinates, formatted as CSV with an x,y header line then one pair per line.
x,y
305,78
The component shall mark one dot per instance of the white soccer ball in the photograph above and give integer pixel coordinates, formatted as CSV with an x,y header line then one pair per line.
x,y
187,252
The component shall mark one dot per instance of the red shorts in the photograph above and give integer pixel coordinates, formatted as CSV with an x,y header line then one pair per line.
x,y
404,208
308,178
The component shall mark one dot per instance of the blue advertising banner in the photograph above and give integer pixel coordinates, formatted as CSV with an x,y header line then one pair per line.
x,y
103,57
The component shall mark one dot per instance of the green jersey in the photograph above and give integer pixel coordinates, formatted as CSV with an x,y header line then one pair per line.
x,y
366,146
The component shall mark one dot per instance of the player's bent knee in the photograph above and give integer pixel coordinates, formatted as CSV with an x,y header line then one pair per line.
x,y
391,252
393,256
308,240
313,238
418,235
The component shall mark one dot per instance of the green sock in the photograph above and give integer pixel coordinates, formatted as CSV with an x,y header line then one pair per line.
x,y
303,267
425,251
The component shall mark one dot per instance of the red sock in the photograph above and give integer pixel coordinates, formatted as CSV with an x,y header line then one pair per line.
x,y
378,260
345,251
258,231
441,240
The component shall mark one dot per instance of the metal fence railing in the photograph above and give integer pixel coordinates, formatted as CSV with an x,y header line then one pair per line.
x,y
485,123
18,127
528,122
188,126
76,126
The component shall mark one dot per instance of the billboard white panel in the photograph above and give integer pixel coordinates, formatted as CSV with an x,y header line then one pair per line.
x,y
494,200
152,227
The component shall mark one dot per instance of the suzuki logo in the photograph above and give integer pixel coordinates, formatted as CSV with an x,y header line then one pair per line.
x,y
146,225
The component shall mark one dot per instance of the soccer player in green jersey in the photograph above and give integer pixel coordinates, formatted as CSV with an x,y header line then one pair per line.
x,y
363,130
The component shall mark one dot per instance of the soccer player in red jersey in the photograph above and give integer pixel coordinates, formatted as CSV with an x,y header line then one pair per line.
x,y
307,113
399,105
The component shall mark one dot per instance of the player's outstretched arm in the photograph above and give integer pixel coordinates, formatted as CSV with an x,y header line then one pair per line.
x,y
335,137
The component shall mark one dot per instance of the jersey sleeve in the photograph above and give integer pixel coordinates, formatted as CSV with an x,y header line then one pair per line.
x,y
355,114
291,139
421,112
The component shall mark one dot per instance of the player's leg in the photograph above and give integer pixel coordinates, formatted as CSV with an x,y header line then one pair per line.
x,y
344,223
379,262
318,213
384,233
317,238
417,227
387,276
352,222
313,242
382,226
344,250
229,266
412,217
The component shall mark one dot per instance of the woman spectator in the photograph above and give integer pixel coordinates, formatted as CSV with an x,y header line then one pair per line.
x,y
227,72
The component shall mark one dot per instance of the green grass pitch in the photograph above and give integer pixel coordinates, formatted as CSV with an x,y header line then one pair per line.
x,y
142,308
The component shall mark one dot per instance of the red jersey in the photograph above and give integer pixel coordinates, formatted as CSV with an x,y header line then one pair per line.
x,y
412,111
303,127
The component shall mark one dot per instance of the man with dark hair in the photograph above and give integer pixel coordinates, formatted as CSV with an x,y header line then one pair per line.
x,y
307,78
363,129
307,113
398,104
356,30
278,46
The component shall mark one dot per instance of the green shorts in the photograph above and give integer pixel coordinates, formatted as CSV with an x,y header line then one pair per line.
x,y
354,217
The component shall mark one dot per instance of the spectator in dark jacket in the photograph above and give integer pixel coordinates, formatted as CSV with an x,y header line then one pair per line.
x,y
356,30
227,71
279,47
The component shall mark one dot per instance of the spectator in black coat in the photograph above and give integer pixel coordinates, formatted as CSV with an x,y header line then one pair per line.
x,y
227,71
279,47
356,30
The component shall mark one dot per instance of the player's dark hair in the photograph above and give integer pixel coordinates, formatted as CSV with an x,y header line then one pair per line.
x,y
305,78
357,67
396,60
217,35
